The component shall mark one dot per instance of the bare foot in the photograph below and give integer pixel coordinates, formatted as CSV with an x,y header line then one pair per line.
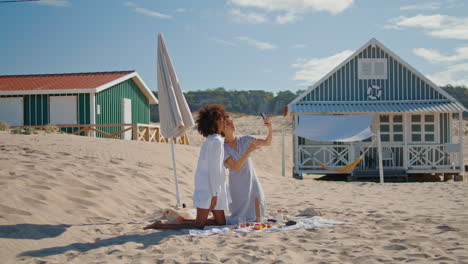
x,y
154,225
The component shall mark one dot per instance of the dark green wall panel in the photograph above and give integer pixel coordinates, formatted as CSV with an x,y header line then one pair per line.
x,y
110,101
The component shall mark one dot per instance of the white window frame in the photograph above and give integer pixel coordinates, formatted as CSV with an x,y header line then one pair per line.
x,y
423,131
372,75
391,133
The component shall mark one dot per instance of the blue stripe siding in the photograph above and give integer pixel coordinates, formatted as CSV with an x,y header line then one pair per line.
x,y
401,84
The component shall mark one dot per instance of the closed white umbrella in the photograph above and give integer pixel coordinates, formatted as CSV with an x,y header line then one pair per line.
x,y
174,113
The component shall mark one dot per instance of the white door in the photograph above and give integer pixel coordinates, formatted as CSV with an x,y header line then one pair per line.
x,y
127,116
11,110
63,110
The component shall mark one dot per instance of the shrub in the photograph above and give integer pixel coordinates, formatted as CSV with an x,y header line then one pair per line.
x,y
51,129
17,130
30,130
4,126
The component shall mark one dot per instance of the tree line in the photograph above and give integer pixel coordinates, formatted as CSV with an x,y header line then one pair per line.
x,y
254,102
251,102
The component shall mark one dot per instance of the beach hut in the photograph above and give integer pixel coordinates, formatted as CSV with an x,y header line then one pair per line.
x,y
411,113
119,97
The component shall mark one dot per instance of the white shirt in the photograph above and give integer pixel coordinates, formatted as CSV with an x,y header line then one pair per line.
x,y
210,177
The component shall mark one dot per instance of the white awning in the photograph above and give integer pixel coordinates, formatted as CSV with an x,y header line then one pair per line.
x,y
343,128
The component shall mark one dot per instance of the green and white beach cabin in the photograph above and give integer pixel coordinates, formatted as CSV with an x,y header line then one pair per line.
x,y
76,98
413,114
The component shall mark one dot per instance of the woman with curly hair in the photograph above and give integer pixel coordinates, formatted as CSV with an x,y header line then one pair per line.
x,y
211,190
248,200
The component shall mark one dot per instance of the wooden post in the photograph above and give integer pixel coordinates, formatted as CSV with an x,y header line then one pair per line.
x,y
135,131
381,173
461,134
147,133
406,136
158,136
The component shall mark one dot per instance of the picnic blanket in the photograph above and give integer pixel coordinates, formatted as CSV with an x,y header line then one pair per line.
x,y
302,222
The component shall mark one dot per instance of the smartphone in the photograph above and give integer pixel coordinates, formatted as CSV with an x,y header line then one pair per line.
x,y
263,116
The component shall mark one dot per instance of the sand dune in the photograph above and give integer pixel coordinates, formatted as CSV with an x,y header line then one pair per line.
x,y
71,199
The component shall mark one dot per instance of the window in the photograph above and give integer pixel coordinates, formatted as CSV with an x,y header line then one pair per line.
x,y
63,110
422,128
372,69
391,128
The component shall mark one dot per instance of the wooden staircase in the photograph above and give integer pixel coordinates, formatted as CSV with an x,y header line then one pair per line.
x,y
390,175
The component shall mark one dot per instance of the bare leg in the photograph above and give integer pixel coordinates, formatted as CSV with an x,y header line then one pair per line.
x,y
257,211
200,222
219,217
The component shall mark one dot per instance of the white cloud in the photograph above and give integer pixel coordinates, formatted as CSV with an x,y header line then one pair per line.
x,y
332,6
289,17
224,42
58,3
423,21
248,17
314,69
456,30
257,44
434,56
151,13
429,5
285,11
440,26
146,11
455,75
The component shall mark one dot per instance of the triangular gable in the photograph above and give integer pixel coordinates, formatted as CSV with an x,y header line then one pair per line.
x,y
402,83
138,81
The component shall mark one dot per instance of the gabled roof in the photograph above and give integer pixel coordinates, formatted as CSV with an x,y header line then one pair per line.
x,y
314,94
66,83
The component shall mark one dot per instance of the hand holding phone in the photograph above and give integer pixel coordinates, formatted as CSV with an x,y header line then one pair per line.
x,y
263,116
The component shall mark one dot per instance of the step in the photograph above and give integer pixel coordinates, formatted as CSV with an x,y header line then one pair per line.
x,y
390,175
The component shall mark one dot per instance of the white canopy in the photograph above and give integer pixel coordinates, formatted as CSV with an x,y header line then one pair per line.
x,y
174,112
343,128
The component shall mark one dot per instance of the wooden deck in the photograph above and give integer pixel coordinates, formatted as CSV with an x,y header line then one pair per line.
x,y
139,132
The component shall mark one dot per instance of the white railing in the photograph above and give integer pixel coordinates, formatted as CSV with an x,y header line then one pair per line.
x,y
419,156
330,155
430,156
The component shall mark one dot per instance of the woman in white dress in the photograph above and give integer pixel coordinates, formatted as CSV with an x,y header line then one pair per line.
x,y
211,191
248,200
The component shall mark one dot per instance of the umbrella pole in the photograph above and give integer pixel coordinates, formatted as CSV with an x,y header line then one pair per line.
x,y
175,173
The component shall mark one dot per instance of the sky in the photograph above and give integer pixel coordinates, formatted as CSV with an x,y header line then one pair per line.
x,y
271,45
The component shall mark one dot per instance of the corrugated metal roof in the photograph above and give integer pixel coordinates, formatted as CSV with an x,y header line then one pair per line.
x,y
88,80
389,107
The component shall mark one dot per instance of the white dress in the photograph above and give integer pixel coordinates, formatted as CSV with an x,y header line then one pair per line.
x,y
244,185
210,177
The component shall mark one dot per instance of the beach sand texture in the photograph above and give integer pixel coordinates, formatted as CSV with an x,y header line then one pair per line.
x,y
71,199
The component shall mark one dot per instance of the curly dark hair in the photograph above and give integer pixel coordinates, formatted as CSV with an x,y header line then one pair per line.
x,y
208,115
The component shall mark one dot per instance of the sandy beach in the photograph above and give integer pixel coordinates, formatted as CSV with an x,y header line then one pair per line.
x,y
72,199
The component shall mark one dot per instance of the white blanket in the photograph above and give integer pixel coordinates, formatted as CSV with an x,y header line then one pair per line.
x,y
303,222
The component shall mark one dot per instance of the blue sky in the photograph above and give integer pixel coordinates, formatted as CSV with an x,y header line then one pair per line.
x,y
271,45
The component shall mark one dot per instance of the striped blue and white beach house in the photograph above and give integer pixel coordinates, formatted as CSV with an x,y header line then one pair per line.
x,y
420,125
